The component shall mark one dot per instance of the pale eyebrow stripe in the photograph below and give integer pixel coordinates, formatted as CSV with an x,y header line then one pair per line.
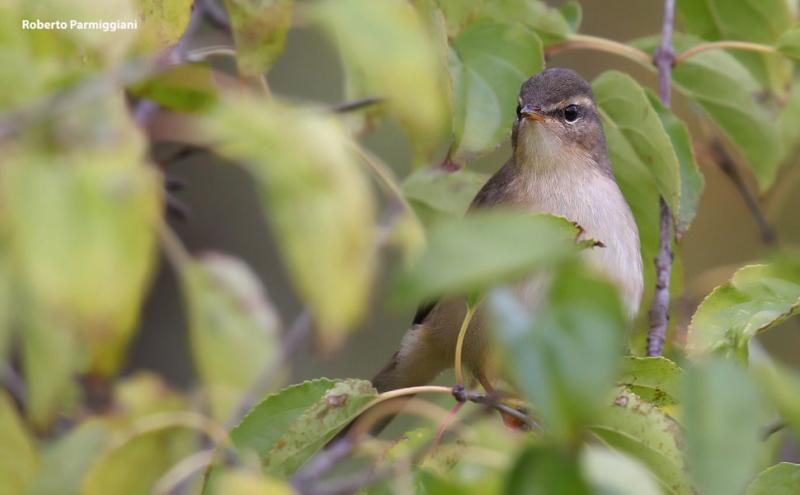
x,y
580,100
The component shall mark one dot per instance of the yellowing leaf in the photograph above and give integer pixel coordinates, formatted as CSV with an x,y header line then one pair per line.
x,y
161,23
247,483
18,457
259,30
317,201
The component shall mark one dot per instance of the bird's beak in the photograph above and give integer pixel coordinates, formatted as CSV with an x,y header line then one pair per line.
x,y
531,112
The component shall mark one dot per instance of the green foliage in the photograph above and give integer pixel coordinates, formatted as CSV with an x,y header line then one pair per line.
x,y
18,459
541,470
789,44
783,477
259,30
654,379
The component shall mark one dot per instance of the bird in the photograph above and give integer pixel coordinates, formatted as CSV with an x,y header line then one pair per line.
x,y
560,166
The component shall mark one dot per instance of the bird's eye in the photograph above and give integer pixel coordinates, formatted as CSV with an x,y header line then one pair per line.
x,y
519,112
571,113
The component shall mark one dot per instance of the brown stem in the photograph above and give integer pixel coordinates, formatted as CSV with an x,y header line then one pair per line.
x,y
716,45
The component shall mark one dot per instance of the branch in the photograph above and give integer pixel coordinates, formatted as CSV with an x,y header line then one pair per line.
x,y
716,45
663,59
351,106
582,41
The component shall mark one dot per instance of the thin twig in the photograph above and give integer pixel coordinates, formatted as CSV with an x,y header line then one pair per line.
x,y
582,41
717,45
215,13
351,106
663,59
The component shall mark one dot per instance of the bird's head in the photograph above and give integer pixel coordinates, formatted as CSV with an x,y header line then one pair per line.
x,y
557,120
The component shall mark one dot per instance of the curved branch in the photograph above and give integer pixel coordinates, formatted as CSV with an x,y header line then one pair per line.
x,y
717,45
586,42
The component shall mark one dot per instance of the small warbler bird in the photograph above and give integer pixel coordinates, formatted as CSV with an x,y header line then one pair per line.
x,y
559,166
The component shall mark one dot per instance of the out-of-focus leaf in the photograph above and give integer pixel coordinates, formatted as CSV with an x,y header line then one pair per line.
x,y
389,53
549,23
484,248
18,457
233,328
186,88
789,43
259,31
789,121
643,431
66,462
572,12
543,470
249,483
317,201
611,472
625,103
722,417
450,193
761,21
288,427
724,88
691,179
143,394
757,298
782,387
5,302
654,379
51,360
564,358
489,62
781,479
161,23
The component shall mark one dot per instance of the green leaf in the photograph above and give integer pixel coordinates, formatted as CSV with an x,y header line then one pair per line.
x,y
543,470
233,329
449,193
259,31
565,357
389,53
645,432
317,200
722,86
757,298
249,483
782,387
781,479
18,457
549,23
572,12
722,417
161,23
489,62
692,181
611,472
789,43
654,379
185,88
288,427
66,462
760,21
622,101
484,248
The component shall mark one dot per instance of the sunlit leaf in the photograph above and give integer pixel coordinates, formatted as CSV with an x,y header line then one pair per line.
x,y
781,479
611,472
546,471
654,379
233,329
161,23
489,62
691,179
186,88
317,200
724,88
389,53
485,248
288,427
757,298
565,356
18,457
645,432
625,103
722,416
259,30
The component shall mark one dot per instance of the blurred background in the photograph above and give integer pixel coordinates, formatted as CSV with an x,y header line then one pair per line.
x,y
226,216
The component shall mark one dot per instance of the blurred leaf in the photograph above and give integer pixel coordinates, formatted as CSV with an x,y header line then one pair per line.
x,y
317,200
18,457
259,31
6,301
233,328
782,387
625,103
757,298
161,23
781,479
484,248
248,483
654,379
611,472
564,358
543,470
288,427
572,12
65,462
722,417
549,23
448,192
185,88
789,121
643,431
142,394
789,43
489,62
388,52
692,181
761,21
728,93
